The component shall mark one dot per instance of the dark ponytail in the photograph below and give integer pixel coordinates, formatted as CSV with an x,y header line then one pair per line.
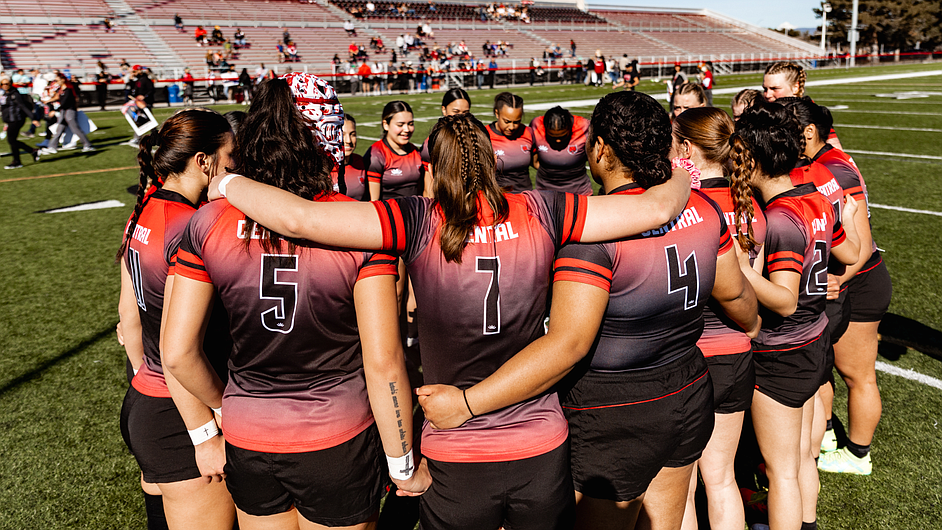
x,y
507,99
463,161
810,113
167,151
638,131
454,95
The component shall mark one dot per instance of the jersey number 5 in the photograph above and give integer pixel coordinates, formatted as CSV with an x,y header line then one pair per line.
x,y
281,317
492,297
683,276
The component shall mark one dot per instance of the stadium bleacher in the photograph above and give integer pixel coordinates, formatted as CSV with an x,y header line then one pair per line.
x,y
56,33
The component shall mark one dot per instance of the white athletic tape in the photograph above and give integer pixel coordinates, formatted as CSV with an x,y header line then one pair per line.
x,y
909,374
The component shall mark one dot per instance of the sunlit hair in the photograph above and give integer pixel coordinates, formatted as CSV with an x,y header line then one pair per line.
x,y
276,147
165,153
810,113
557,118
463,162
454,95
507,99
694,89
745,97
638,131
767,142
709,128
793,73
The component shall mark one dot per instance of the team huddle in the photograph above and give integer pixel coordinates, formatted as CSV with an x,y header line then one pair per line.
x,y
582,356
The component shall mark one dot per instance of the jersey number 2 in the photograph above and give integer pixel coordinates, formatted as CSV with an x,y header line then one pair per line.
x,y
281,317
683,276
818,276
492,297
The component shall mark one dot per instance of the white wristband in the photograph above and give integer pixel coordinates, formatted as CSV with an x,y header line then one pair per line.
x,y
204,433
218,411
225,180
401,468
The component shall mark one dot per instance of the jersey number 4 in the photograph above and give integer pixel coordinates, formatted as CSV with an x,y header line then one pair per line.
x,y
281,317
683,276
491,265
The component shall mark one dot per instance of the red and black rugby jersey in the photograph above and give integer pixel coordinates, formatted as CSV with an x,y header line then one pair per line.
x,y
720,335
842,166
150,258
354,176
562,170
478,313
398,175
513,156
810,171
658,284
296,379
800,230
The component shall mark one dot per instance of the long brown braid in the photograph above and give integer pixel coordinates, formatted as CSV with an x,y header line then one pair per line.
x,y
744,167
463,162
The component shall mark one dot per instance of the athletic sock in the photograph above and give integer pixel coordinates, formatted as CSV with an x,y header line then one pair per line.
x,y
830,425
859,451
813,525
154,506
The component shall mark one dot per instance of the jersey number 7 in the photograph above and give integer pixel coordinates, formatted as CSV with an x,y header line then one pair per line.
x,y
491,265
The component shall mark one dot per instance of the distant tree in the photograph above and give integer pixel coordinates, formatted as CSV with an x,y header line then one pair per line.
x,y
895,24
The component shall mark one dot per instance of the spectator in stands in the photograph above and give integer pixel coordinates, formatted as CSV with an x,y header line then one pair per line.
x,y
409,41
706,80
291,52
216,36
239,38
674,84
393,10
427,30
431,7
572,47
280,47
188,82
108,24
370,7
285,36
67,97
406,10
200,35
226,49
352,50
492,70
246,84
525,16
178,22
102,78
16,109
401,43
380,47
350,28
366,77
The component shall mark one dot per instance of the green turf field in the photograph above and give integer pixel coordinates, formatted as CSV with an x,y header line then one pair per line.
x,y
63,463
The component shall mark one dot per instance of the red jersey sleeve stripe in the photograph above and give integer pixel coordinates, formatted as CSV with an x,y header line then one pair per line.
x,y
855,192
786,254
379,265
574,221
390,217
372,176
584,277
190,266
839,235
573,263
784,265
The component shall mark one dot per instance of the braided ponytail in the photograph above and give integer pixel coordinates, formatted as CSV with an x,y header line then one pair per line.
x,y
147,177
744,167
463,162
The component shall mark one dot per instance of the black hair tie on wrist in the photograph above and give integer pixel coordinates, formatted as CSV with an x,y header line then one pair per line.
x,y
465,395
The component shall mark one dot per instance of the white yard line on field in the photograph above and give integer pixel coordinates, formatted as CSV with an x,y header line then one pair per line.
x,y
909,374
901,155
907,210
917,129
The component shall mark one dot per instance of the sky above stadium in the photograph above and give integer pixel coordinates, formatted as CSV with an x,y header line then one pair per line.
x,y
765,14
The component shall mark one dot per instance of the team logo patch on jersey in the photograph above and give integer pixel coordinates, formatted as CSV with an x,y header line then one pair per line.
x,y
499,153
395,171
525,148
543,148
573,149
